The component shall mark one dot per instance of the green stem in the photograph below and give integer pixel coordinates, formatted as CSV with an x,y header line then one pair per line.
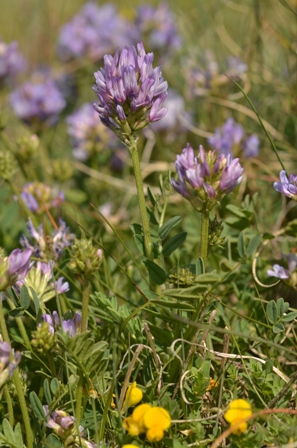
x,y
9,405
18,385
84,327
141,197
204,234
85,305
21,326
79,396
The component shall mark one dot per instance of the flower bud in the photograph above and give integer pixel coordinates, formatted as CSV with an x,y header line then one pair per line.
x,y
43,339
7,165
85,258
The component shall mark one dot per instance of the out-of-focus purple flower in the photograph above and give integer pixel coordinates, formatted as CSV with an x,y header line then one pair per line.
x,y
236,67
7,367
88,134
93,32
14,268
131,93
209,78
157,28
38,102
206,178
286,186
11,61
278,271
251,146
38,196
231,137
47,247
19,263
285,274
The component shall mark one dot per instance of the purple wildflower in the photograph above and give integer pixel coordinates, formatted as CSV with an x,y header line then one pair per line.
x,y
93,32
38,102
19,263
131,93
64,426
48,247
87,133
285,274
157,28
71,326
7,367
206,178
11,61
286,186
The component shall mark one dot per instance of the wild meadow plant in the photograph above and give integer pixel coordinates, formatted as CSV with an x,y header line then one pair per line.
x,y
147,247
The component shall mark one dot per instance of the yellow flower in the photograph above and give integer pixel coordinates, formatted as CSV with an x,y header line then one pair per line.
x,y
156,420
238,410
133,396
134,424
129,446
212,383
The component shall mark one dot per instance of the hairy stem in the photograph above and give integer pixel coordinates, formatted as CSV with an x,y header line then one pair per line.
x,y
141,198
204,234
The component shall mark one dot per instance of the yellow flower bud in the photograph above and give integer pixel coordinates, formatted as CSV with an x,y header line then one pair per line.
x,y
238,410
133,396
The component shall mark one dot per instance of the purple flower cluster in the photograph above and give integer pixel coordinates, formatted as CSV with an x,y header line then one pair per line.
x,y
230,137
286,186
6,366
131,93
94,32
88,134
48,247
157,28
38,196
11,61
282,273
206,178
38,102
70,326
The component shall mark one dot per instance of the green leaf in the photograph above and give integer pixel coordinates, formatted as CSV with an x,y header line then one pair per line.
x,y
18,435
35,300
47,391
25,298
8,432
278,328
199,266
240,245
290,316
157,274
268,366
272,312
36,406
55,385
172,305
151,196
253,244
166,228
282,306
53,442
17,312
173,243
